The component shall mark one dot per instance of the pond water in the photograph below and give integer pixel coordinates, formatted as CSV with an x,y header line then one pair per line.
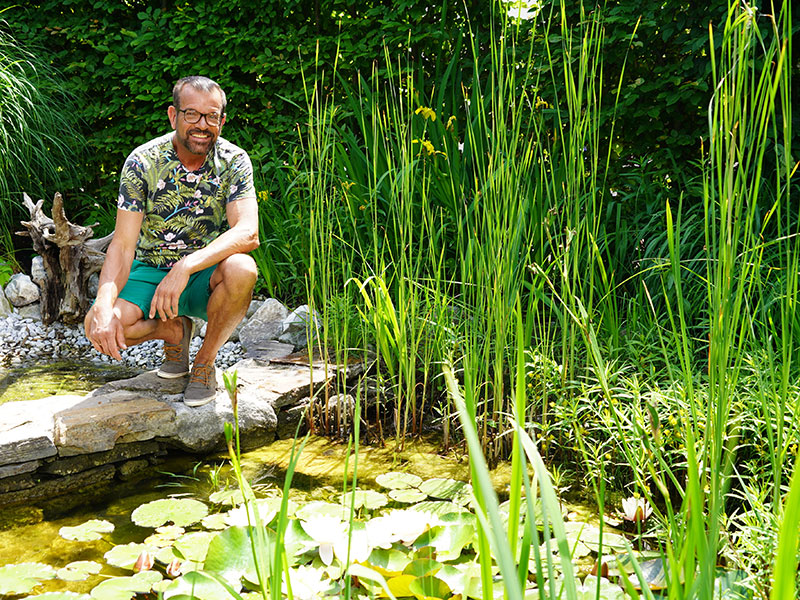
x,y
39,381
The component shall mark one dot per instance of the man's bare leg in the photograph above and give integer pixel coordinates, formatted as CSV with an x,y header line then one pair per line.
x,y
231,291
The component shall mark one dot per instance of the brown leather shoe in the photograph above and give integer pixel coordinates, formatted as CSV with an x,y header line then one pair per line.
x,y
176,356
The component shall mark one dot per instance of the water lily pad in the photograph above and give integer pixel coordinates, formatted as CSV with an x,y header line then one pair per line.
x,y
79,570
388,563
450,538
198,586
124,588
444,488
215,521
194,546
230,555
267,509
87,532
439,507
398,481
179,511
429,587
407,496
368,499
422,567
322,509
164,536
60,596
588,589
590,536
654,575
22,578
126,555
463,578
233,497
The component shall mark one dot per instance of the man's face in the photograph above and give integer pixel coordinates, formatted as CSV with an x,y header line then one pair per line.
x,y
197,138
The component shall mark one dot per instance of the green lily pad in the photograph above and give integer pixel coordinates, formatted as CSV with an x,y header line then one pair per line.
x,y
22,578
587,590
322,509
368,499
444,488
198,586
232,497
398,481
179,511
450,538
439,508
125,556
429,587
79,570
422,567
215,521
60,596
89,531
590,536
124,588
407,496
230,555
267,509
388,562
728,585
164,536
463,579
194,546
654,575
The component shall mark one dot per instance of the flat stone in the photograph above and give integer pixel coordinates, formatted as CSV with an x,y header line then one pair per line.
x,y
268,350
20,482
26,428
132,467
285,384
75,464
62,485
148,384
101,421
19,468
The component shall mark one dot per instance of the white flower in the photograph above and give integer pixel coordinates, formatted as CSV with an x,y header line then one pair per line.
x,y
169,236
192,177
325,531
307,582
233,189
636,509
161,184
198,194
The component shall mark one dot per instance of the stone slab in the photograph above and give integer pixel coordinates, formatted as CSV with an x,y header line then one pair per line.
x,y
101,421
26,428
19,468
268,350
121,452
284,384
60,486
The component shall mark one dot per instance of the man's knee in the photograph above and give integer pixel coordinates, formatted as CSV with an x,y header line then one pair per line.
x,y
240,270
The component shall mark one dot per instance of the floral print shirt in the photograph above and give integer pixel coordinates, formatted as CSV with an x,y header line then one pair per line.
x,y
184,210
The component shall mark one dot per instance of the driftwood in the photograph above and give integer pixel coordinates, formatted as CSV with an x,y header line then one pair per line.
x,y
70,258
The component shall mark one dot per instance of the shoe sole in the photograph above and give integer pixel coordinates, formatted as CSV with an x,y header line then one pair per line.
x,y
196,403
167,375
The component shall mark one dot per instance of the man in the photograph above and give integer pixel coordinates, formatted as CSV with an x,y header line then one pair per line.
x,y
186,218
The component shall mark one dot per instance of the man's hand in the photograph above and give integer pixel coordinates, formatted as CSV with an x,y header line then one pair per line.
x,y
104,330
164,304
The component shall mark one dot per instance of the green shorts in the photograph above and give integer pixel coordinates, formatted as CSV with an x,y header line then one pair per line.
x,y
144,279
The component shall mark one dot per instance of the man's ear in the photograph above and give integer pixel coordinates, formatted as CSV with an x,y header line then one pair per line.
x,y
173,115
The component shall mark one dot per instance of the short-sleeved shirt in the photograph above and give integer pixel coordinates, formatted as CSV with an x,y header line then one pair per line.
x,y
184,210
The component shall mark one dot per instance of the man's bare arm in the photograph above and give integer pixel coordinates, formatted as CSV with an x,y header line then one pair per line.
x,y
242,237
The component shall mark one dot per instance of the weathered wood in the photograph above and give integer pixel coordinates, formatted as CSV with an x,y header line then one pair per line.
x,y
70,257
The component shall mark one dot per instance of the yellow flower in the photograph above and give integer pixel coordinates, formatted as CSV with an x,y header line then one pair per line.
x,y
426,112
540,103
450,122
263,196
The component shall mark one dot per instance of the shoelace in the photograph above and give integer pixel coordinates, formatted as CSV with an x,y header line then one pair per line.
x,y
202,374
173,353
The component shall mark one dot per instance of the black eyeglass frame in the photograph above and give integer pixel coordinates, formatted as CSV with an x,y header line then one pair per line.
x,y
201,115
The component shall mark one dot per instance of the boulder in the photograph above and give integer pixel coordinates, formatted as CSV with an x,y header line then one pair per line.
x,y
297,326
21,290
5,305
266,324
31,311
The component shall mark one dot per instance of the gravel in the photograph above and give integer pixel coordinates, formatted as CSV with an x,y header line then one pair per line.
x,y
25,341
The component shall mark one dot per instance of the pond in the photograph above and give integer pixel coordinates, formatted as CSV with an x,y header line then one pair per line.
x,y
39,381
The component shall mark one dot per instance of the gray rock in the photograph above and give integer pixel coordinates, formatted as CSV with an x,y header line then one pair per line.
x,y
31,311
19,468
38,272
5,305
21,290
298,325
266,324
269,350
26,428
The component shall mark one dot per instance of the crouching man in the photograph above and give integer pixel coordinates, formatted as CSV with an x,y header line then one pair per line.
x,y
186,218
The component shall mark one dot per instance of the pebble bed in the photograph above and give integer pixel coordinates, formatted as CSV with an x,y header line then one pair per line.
x,y
25,341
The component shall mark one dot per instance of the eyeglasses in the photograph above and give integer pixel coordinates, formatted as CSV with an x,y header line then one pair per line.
x,y
193,116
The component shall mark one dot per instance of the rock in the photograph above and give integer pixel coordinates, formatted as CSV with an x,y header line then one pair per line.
x,y
38,273
5,305
269,350
265,324
26,428
60,486
21,290
296,326
121,452
19,468
132,467
31,311
101,421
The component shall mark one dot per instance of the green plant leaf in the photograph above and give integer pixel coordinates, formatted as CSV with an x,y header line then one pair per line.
x,y
368,499
322,509
440,508
215,521
429,587
124,588
179,511
22,578
196,585
388,562
407,496
194,546
230,555
395,480
232,497
79,570
447,489
449,539
87,532
124,556
60,596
